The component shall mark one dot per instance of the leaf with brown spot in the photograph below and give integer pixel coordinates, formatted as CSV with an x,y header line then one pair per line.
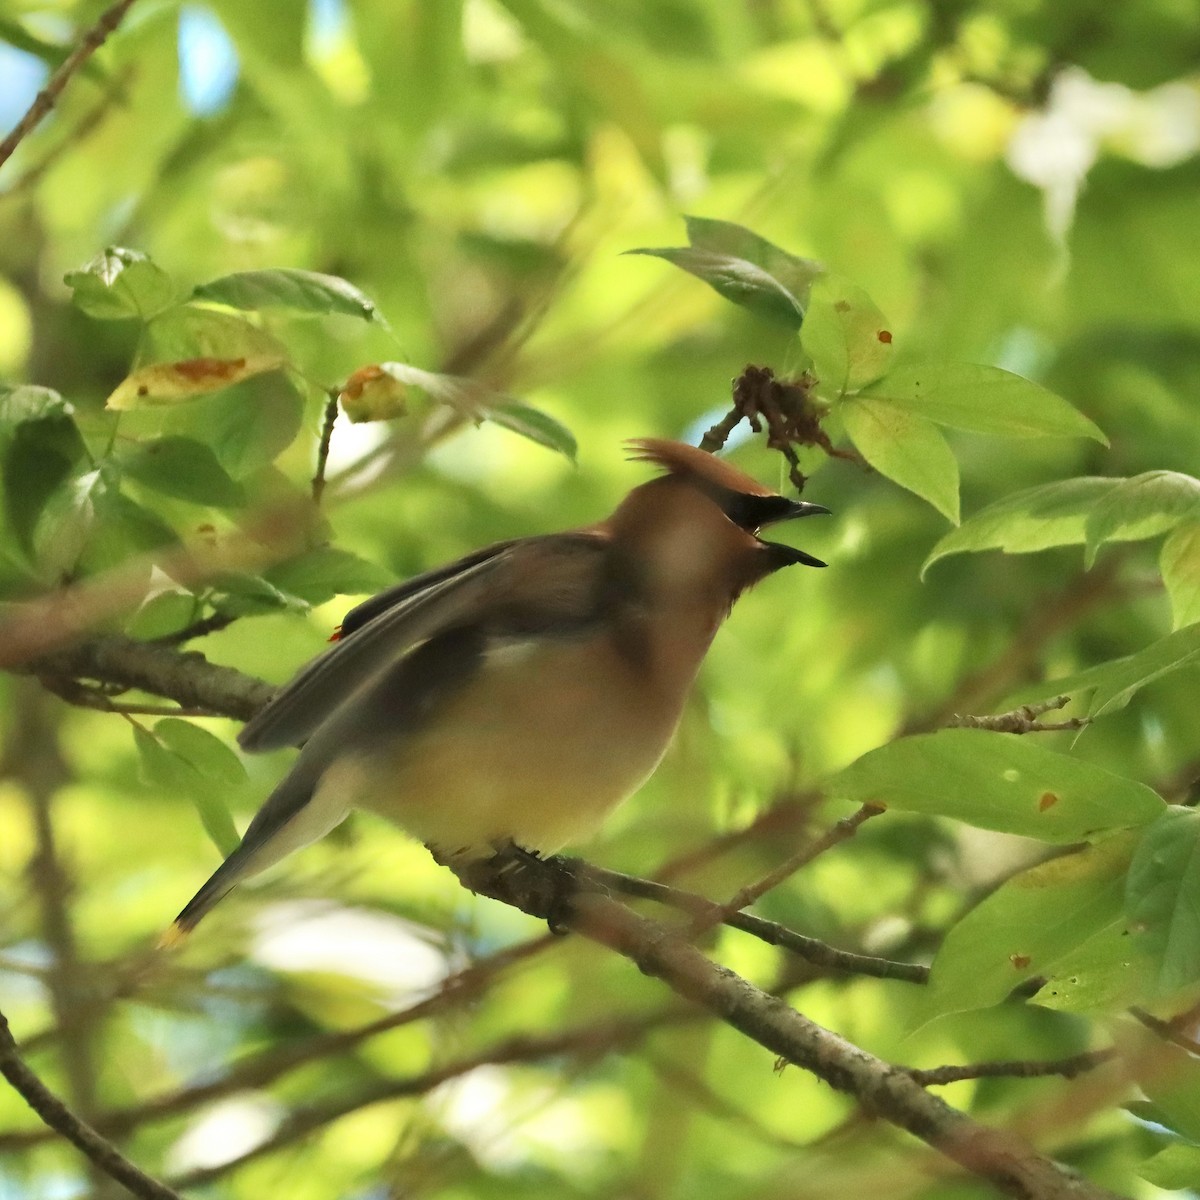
x,y
173,382
373,394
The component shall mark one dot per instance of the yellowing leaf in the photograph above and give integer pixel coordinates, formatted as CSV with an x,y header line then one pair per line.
x,y
173,382
846,335
373,394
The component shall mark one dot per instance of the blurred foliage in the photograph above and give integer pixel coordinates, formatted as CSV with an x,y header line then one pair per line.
x,y
239,212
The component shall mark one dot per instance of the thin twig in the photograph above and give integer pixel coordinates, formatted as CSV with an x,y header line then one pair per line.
x,y
1068,1068
847,827
45,100
82,696
1049,616
811,949
59,1117
327,424
213,623
1022,720
715,437
1169,1031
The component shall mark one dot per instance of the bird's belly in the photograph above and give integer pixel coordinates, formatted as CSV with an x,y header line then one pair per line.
x,y
537,750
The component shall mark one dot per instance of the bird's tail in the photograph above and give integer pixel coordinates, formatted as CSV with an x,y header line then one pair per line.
x,y
219,884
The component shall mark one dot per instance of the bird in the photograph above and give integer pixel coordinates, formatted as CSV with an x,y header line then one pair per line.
x,y
516,696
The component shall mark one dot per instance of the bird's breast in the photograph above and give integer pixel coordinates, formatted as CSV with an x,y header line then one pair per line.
x,y
544,740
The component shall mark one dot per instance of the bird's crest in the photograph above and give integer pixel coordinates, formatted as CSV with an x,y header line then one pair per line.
x,y
688,461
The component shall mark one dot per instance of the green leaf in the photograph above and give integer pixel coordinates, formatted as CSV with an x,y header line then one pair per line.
x,y
29,403
122,529
1142,507
163,614
186,469
165,769
120,284
1168,1076
982,400
1174,1168
906,448
1180,566
744,268
846,335
248,425
535,425
1108,972
1163,897
189,331
318,575
34,463
480,403
294,290
240,595
211,757
1027,927
1117,682
1053,514
997,781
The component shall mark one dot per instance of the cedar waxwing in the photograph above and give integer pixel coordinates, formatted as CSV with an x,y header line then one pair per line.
x,y
518,695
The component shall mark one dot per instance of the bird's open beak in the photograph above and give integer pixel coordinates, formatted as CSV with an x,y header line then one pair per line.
x,y
786,556
802,508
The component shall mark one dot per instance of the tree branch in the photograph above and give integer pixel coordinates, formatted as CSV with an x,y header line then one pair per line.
x,y
188,678
708,913
1023,719
327,424
540,888
1068,1068
45,100
60,1118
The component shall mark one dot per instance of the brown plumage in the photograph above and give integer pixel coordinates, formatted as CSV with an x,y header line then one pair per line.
x,y
519,694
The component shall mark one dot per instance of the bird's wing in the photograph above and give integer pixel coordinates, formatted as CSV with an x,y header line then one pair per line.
x,y
386,628
368,610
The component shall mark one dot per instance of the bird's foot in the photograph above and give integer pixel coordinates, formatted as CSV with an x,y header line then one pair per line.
x,y
542,887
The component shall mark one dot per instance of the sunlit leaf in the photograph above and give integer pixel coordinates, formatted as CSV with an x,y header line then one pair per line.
x,y
480,403
997,781
1142,507
906,448
119,284
1053,514
27,402
846,335
1028,927
744,268
1117,682
1180,566
983,400
287,288
1175,1168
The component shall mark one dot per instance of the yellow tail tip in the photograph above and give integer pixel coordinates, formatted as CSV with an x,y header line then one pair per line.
x,y
172,937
